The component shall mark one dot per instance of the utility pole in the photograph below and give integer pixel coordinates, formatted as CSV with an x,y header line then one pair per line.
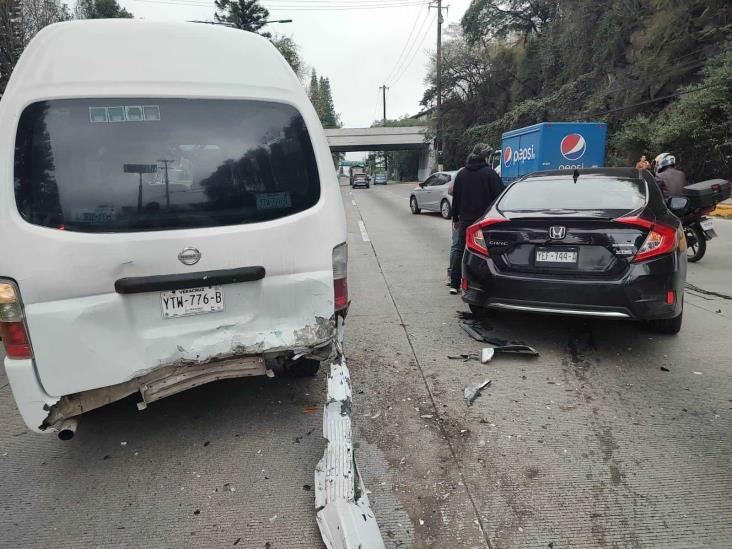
x,y
438,111
167,183
386,166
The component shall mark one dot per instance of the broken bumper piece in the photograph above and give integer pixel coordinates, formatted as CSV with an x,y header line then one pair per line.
x,y
344,515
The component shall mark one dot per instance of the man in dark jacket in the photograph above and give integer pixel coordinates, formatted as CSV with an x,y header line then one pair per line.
x,y
475,189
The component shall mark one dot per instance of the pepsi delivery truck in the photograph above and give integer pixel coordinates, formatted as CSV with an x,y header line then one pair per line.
x,y
552,146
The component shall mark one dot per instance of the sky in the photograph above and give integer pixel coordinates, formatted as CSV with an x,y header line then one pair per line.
x,y
358,44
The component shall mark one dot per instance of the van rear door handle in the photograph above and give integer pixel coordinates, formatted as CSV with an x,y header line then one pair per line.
x,y
162,283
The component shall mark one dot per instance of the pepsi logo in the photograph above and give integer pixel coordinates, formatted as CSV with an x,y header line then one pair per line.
x,y
573,146
507,156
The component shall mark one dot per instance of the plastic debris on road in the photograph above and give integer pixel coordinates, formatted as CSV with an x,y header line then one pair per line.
x,y
472,392
344,515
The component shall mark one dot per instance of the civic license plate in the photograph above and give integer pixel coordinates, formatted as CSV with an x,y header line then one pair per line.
x,y
707,224
556,256
192,301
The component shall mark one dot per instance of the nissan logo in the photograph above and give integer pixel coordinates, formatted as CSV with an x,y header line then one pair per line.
x,y
557,232
189,256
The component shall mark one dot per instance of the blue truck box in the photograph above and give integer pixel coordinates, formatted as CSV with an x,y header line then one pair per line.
x,y
552,146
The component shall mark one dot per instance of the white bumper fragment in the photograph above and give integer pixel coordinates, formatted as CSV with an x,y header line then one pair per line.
x,y
344,516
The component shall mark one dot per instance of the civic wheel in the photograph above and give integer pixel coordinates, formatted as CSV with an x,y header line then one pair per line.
x,y
696,244
413,205
445,209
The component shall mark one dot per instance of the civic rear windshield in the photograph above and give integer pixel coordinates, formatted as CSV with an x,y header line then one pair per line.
x,y
124,165
563,193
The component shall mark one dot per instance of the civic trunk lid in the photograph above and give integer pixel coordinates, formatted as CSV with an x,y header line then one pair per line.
x,y
568,245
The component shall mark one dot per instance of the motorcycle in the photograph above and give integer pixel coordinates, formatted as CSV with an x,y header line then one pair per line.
x,y
698,228
699,200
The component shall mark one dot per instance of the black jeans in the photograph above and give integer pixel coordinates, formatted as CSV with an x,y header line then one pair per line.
x,y
456,269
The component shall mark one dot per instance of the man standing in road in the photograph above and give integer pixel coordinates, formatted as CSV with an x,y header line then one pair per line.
x,y
475,189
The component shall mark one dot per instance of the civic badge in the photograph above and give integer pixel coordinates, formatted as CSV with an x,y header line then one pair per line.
x,y
189,256
557,232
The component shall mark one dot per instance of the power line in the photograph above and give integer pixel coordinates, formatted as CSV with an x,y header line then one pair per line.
x,y
414,53
407,41
411,52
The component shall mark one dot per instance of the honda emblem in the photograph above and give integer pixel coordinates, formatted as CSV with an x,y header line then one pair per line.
x,y
557,232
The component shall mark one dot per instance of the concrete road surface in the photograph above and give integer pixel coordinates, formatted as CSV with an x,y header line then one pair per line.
x,y
590,445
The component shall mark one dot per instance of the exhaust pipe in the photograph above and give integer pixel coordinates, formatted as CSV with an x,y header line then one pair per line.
x,y
67,428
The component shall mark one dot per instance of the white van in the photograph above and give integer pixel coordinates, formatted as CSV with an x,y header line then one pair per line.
x,y
169,216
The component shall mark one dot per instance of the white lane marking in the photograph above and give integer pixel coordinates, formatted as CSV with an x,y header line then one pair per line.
x,y
364,234
354,202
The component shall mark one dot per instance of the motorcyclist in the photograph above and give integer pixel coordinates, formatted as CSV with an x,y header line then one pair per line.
x,y
670,179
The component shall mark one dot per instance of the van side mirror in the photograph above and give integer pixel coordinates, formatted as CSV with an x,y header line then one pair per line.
x,y
678,204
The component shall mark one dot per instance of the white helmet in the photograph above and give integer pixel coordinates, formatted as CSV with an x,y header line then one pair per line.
x,y
663,160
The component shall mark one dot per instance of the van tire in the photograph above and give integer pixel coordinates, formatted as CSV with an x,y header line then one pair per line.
x,y
304,367
413,205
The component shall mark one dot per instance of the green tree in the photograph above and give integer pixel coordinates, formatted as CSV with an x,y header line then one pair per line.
x,y
290,51
100,9
329,117
698,127
485,19
517,62
11,38
314,91
20,20
246,15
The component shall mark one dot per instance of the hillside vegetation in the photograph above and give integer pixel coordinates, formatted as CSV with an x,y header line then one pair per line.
x,y
659,72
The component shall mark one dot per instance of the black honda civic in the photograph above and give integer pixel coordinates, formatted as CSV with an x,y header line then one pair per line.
x,y
592,242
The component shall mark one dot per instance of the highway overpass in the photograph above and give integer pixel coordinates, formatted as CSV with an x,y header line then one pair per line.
x,y
385,139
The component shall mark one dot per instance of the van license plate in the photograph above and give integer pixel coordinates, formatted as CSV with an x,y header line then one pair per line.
x,y
192,301
556,256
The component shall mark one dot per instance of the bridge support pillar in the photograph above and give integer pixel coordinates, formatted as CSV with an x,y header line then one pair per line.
x,y
427,162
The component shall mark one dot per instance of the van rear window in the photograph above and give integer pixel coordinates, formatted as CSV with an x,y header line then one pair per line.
x,y
126,165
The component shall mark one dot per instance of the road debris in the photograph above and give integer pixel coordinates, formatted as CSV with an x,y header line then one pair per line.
x,y
664,369
487,353
471,392
479,333
344,515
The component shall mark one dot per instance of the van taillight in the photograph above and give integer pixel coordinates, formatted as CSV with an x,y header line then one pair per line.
x,y
340,276
12,325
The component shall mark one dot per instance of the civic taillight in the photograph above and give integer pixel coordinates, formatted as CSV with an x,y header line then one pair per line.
x,y
340,276
474,239
12,325
661,239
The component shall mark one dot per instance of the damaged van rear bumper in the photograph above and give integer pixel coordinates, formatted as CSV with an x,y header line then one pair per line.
x,y
45,413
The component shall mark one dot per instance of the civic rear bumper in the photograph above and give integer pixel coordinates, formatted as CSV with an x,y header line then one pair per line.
x,y
641,294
